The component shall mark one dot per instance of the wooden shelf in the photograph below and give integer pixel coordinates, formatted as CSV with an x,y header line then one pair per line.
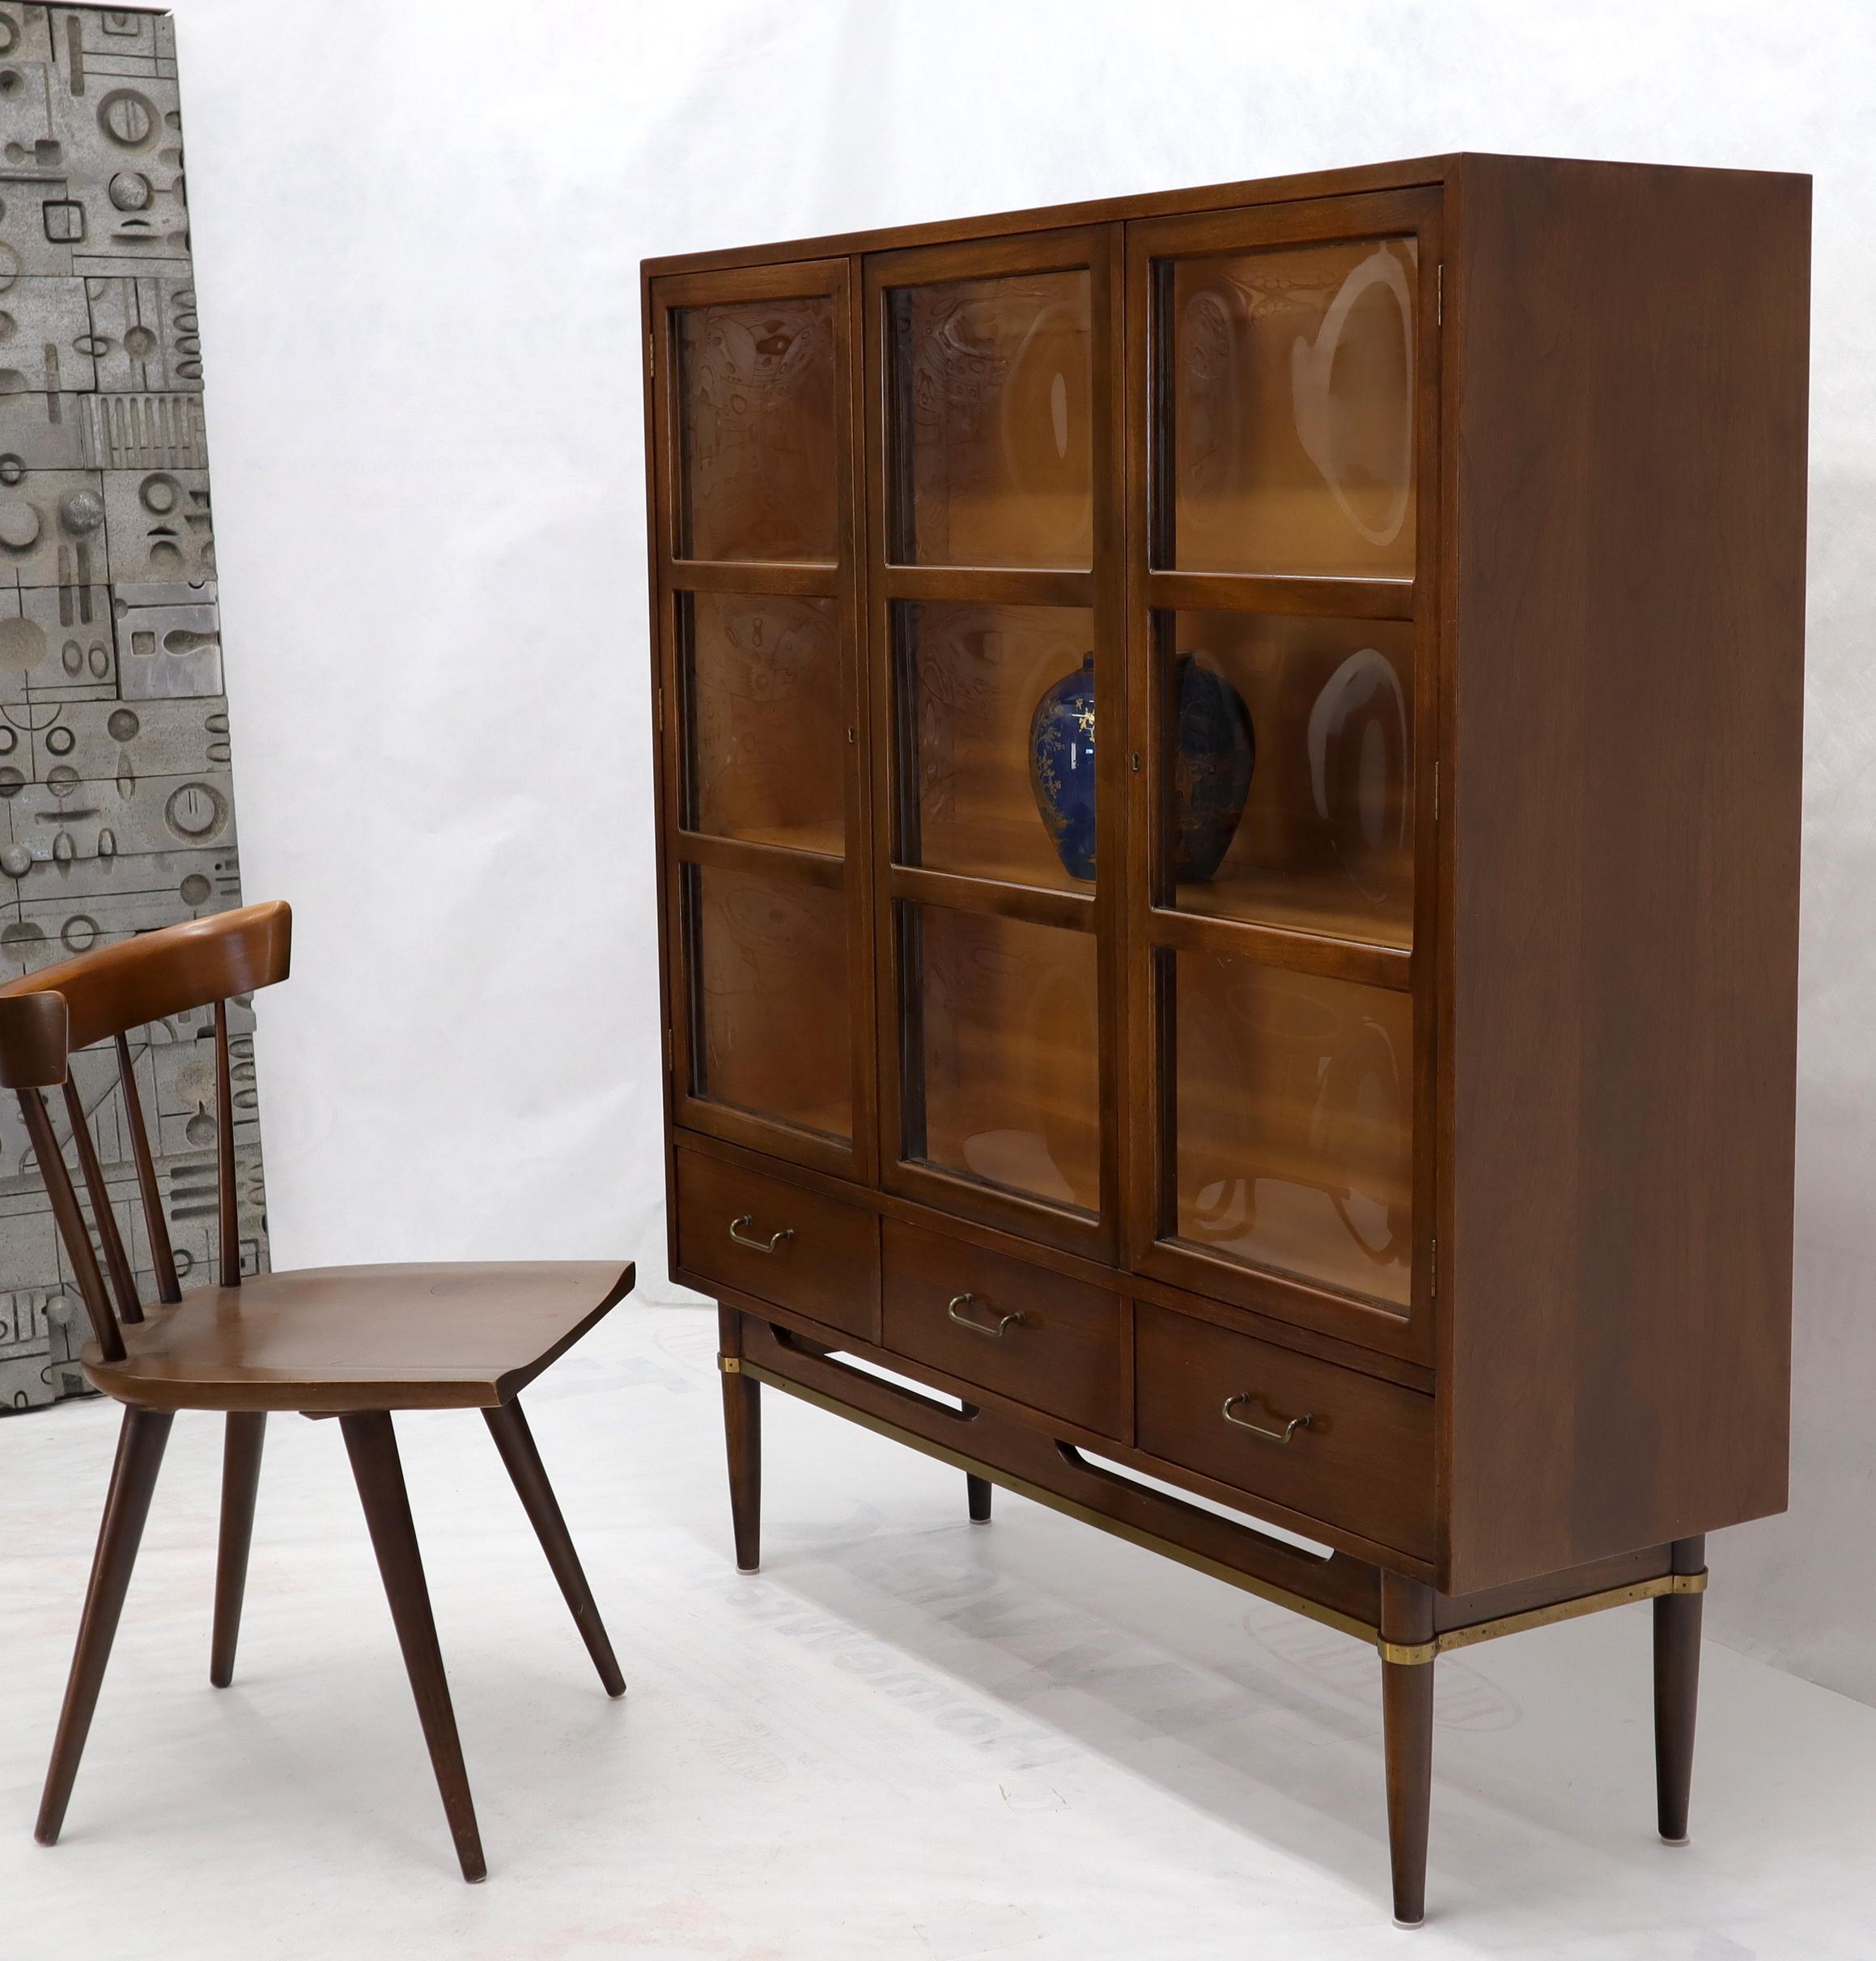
x,y
761,856
810,840
1324,905
1014,854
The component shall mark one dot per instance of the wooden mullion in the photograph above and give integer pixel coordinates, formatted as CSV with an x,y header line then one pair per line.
x,y
1324,221
1334,598
1276,946
1108,316
1424,772
1073,911
818,276
857,682
763,860
777,577
989,585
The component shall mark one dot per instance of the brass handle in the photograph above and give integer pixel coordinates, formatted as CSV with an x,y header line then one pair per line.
x,y
978,1327
1257,1429
759,1246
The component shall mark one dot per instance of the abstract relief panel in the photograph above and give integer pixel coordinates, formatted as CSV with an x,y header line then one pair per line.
x,y
117,804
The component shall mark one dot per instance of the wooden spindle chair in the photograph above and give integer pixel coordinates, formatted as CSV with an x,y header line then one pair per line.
x,y
355,1343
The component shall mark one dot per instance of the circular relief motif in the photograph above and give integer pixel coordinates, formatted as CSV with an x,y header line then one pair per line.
x,y
128,119
19,527
195,812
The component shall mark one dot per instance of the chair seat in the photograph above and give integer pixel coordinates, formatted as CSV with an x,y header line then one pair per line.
x,y
340,1339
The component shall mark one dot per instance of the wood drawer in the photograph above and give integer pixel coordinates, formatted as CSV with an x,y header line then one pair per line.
x,y
1364,1460
826,1264
1067,1355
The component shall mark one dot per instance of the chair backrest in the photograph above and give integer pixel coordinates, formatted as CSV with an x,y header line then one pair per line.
x,y
101,996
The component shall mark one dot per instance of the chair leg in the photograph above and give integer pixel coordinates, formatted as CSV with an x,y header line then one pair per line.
x,y
742,1432
372,1444
247,1432
1677,1687
140,1447
516,1441
1406,1707
977,1497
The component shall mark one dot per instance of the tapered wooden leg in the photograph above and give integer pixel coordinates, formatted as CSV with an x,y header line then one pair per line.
x,y
977,1496
372,1446
140,1447
1407,1707
247,1432
1677,1686
742,1431
516,1441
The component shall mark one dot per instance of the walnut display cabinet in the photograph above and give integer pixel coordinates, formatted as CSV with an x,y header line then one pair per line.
x,y
1228,803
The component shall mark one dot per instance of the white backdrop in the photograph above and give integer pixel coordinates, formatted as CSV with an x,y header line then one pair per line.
x,y
417,226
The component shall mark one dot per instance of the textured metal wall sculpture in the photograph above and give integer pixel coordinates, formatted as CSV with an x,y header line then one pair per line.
x,y
117,806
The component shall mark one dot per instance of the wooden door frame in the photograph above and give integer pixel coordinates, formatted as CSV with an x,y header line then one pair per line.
x,y
1153,933
1102,591
841,579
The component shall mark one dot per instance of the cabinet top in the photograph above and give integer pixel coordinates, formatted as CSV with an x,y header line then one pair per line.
x,y
1407,173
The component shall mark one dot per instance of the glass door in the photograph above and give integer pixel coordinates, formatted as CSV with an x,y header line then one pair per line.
x,y
994,583
759,705
1284,375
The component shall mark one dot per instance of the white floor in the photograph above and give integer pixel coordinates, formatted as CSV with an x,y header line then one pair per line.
x,y
907,1736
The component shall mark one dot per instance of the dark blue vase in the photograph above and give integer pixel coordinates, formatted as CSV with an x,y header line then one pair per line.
x,y
1216,753
1062,768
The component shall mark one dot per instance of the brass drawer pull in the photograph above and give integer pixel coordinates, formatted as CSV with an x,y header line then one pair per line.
x,y
1257,1429
979,1328
759,1246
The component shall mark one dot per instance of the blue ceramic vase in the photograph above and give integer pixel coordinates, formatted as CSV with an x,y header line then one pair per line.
x,y
1062,768
1216,753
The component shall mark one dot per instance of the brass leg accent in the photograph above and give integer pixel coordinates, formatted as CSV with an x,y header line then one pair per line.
x,y
1677,1686
1406,1702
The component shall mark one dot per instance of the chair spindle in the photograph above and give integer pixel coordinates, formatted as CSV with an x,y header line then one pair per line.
x,y
228,1229
162,1254
117,1260
71,1225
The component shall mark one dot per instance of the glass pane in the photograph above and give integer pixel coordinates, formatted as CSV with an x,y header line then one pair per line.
x,y
755,404
766,729
1002,746
1293,409
1321,840
771,1030
996,422
1009,1039
1294,1108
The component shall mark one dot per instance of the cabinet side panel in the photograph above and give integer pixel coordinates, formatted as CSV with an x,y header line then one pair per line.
x,y
1626,735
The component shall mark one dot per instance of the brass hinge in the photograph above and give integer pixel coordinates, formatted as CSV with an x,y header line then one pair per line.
x,y
652,356
1436,766
1433,1268
660,714
1440,293
667,1050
